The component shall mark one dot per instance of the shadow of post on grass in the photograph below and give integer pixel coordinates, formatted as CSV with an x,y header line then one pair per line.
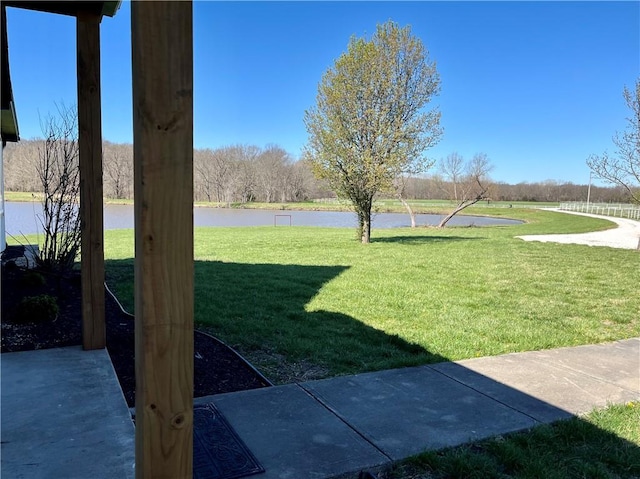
x,y
259,309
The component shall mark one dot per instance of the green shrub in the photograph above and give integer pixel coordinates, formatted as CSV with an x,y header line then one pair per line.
x,y
32,279
37,309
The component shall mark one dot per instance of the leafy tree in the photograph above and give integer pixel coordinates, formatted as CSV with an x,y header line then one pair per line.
x,y
370,125
624,168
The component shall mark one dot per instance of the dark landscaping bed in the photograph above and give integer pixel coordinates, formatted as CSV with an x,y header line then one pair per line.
x,y
25,326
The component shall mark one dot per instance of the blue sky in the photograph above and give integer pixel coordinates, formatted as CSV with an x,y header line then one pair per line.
x,y
537,86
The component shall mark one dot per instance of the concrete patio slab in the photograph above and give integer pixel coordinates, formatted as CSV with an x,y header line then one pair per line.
x,y
63,415
556,383
292,435
407,411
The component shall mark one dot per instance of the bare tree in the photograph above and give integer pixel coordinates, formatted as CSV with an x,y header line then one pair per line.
x,y
421,187
222,171
20,161
304,185
624,168
272,166
226,174
118,169
203,175
213,174
59,173
400,184
243,179
299,175
401,181
452,168
473,185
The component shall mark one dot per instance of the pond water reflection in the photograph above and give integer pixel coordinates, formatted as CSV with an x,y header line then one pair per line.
x,y
22,218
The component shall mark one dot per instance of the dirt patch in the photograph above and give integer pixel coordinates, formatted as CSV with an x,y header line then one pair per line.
x,y
281,371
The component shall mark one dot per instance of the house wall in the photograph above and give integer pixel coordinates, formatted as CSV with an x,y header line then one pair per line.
x,y
3,242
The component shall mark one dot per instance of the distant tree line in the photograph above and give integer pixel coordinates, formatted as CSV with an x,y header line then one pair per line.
x,y
232,174
433,187
246,173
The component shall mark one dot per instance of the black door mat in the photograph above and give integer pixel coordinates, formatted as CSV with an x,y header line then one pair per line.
x,y
218,452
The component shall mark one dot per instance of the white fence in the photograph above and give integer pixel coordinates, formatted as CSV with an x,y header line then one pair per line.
x,y
606,209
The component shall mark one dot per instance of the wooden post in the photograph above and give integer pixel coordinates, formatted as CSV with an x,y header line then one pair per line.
x,y
90,157
162,56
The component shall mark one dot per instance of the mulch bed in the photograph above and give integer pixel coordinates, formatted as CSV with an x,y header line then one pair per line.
x,y
217,367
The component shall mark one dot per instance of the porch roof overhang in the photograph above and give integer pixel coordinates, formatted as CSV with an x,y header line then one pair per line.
x,y
108,9
8,118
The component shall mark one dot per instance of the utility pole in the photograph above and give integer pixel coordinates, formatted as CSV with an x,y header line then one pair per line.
x,y
589,190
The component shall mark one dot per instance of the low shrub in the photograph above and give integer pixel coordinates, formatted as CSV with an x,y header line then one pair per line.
x,y
39,308
32,279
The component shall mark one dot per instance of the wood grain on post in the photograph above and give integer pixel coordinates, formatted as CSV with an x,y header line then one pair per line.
x,y
162,56
90,159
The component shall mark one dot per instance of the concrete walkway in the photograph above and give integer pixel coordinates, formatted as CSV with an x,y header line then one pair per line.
x,y
63,414
625,236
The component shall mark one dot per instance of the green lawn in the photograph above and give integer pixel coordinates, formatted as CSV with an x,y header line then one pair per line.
x,y
22,196
313,302
604,444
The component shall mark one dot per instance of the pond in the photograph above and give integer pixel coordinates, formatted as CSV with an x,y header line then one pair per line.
x,y
22,218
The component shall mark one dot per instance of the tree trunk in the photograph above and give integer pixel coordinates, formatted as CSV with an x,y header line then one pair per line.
x,y
412,215
458,209
364,224
366,230
446,219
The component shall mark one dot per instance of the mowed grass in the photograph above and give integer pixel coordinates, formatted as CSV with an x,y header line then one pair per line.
x,y
317,302
442,204
22,196
604,444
